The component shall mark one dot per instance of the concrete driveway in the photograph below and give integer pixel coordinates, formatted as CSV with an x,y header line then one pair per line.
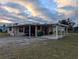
x,y
15,41
23,40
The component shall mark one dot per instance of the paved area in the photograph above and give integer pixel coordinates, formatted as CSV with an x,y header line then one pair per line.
x,y
23,40
8,44
52,37
15,40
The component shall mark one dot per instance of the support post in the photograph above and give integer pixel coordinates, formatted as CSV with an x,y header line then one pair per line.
x,y
35,31
13,32
29,31
23,29
52,30
67,31
64,31
57,31
61,31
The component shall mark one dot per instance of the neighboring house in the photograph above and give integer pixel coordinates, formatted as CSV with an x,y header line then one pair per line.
x,y
36,27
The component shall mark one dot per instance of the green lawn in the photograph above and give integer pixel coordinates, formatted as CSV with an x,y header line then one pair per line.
x,y
65,48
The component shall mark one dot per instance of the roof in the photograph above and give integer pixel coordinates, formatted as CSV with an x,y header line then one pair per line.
x,y
32,21
63,25
36,21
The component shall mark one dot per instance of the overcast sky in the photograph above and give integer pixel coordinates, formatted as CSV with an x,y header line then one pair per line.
x,y
16,10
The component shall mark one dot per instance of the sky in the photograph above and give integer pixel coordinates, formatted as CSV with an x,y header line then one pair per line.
x,y
12,11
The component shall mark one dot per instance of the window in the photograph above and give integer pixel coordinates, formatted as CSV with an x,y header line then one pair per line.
x,y
21,29
10,29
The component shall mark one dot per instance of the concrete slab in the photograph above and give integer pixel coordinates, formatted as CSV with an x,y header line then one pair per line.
x,y
52,37
25,40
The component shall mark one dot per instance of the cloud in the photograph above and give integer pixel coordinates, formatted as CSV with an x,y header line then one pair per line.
x,y
12,11
5,21
62,3
14,8
68,8
17,11
34,6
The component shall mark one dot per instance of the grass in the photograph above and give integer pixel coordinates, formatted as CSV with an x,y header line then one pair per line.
x,y
65,48
3,34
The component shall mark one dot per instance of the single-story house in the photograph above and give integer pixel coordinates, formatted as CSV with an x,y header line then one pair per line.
x,y
37,27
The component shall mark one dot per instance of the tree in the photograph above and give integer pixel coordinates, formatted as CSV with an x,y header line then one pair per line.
x,y
75,29
68,22
0,30
63,22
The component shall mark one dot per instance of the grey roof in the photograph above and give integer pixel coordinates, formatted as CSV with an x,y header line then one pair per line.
x,y
35,20
32,21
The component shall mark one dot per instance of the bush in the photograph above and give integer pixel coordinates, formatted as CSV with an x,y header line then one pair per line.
x,y
40,33
0,30
50,32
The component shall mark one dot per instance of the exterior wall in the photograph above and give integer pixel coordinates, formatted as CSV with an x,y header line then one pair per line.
x,y
10,31
44,29
50,30
15,31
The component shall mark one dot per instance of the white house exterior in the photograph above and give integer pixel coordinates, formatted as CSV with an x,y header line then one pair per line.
x,y
37,27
